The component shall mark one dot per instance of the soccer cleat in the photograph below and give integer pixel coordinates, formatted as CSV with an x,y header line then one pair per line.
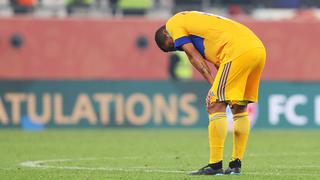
x,y
210,169
234,167
235,171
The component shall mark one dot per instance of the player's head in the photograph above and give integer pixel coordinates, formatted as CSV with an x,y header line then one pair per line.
x,y
163,40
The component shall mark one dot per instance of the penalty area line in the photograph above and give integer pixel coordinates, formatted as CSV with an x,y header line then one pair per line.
x,y
43,164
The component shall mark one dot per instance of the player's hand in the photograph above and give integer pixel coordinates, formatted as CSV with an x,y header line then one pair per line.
x,y
209,96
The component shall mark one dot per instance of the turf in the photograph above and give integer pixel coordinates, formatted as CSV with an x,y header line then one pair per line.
x,y
151,154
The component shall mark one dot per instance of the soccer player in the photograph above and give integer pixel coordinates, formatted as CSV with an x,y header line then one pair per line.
x,y
239,56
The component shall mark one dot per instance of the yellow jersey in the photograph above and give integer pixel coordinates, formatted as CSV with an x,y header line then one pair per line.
x,y
218,39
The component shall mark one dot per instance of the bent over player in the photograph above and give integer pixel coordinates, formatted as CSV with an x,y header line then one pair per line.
x,y
239,56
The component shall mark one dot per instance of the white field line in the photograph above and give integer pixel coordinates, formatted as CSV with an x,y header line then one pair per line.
x,y
43,164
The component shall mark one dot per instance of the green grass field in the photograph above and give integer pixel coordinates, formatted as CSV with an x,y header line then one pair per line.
x,y
151,154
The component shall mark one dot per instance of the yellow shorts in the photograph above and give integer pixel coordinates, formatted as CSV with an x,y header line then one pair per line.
x,y
237,82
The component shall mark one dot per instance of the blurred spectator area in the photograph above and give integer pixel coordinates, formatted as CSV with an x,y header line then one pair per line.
x,y
260,9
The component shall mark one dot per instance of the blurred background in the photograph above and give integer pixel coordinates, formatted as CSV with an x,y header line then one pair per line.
x,y
94,63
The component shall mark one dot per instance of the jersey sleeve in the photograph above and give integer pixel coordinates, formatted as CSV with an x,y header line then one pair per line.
x,y
177,29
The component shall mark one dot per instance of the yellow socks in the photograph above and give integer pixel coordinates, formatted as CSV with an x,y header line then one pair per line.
x,y
217,128
240,134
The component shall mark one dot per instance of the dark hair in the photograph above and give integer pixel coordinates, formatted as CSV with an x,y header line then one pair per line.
x,y
160,38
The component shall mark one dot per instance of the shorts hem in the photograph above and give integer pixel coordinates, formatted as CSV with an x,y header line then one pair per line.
x,y
229,101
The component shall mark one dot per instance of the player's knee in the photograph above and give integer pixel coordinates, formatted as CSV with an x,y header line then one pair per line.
x,y
238,109
216,107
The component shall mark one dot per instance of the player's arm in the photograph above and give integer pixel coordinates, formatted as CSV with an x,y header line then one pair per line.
x,y
198,61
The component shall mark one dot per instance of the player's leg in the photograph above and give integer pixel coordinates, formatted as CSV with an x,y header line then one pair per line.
x,y
218,123
217,131
217,128
241,133
256,60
